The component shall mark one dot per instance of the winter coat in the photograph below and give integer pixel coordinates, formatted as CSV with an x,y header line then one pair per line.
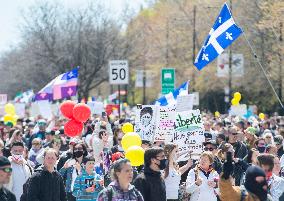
x,y
115,193
241,150
151,185
6,195
276,187
67,174
233,193
203,192
46,186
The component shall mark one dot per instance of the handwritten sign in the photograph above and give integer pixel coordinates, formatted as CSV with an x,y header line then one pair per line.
x,y
165,123
188,120
189,134
145,121
190,143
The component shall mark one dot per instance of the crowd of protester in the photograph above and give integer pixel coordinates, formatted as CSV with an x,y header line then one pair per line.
x,y
242,160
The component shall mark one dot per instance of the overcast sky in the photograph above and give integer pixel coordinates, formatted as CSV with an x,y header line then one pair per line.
x,y
10,15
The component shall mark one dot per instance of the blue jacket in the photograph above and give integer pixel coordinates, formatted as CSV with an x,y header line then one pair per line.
x,y
84,181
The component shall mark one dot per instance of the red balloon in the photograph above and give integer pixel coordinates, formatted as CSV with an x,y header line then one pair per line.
x,y
66,109
81,112
73,128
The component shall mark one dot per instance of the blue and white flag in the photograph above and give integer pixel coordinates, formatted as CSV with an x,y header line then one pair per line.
x,y
222,35
171,98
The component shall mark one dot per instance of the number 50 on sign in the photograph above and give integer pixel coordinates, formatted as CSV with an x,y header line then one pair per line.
x,y
118,72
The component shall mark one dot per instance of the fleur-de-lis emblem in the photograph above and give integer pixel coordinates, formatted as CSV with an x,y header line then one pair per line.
x,y
205,57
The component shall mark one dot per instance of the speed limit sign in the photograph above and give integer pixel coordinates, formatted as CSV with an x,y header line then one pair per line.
x,y
118,72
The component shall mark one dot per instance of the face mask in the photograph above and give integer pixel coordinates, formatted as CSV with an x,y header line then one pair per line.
x,y
17,157
261,149
163,164
78,154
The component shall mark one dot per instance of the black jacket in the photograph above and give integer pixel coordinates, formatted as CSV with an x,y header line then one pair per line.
x,y
151,185
46,186
6,195
241,150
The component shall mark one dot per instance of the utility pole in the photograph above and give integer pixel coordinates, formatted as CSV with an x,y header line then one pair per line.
x,y
193,46
230,64
167,40
280,64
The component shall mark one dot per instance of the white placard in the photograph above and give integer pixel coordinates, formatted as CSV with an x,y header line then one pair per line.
x,y
190,143
96,107
185,103
189,134
238,110
45,109
3,99
20,109
196,98
145,121
165,124
118,72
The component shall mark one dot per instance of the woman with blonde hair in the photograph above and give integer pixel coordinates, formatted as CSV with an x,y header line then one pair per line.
x,y
172,173
202,180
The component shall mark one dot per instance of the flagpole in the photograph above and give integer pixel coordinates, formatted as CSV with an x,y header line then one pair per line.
x,y
263,70
230,65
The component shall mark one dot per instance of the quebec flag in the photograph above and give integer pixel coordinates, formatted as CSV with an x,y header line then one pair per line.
x,y
63,86
222,35
171,98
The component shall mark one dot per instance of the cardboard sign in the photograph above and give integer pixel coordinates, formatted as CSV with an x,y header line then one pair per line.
x,y
145,121
190,143
165,123
189,134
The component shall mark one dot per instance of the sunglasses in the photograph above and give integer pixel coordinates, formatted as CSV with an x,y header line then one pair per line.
x,y
7,169
235,133
208,149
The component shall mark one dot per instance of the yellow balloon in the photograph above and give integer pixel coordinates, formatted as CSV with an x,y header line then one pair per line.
x,y
15,118
127,127
8,117
217,114
234,101
10,109
130,139
261,116
237,96
136,155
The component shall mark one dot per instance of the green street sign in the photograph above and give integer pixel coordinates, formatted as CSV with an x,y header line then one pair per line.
x,y
168,80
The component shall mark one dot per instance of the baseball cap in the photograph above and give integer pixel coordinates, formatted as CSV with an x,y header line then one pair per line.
x,y
213,142
4,161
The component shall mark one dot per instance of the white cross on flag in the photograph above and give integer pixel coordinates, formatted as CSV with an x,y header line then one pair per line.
x,y
222,35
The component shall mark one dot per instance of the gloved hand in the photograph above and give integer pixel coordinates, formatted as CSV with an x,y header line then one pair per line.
x,y
227,169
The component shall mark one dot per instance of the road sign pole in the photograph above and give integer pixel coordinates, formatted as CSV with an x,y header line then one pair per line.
x,y
118,100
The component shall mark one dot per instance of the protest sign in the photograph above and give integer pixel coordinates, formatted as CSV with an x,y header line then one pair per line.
x,y
145,121
238,110
96,107
45,109
20,109
185,102
189,134
165,123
